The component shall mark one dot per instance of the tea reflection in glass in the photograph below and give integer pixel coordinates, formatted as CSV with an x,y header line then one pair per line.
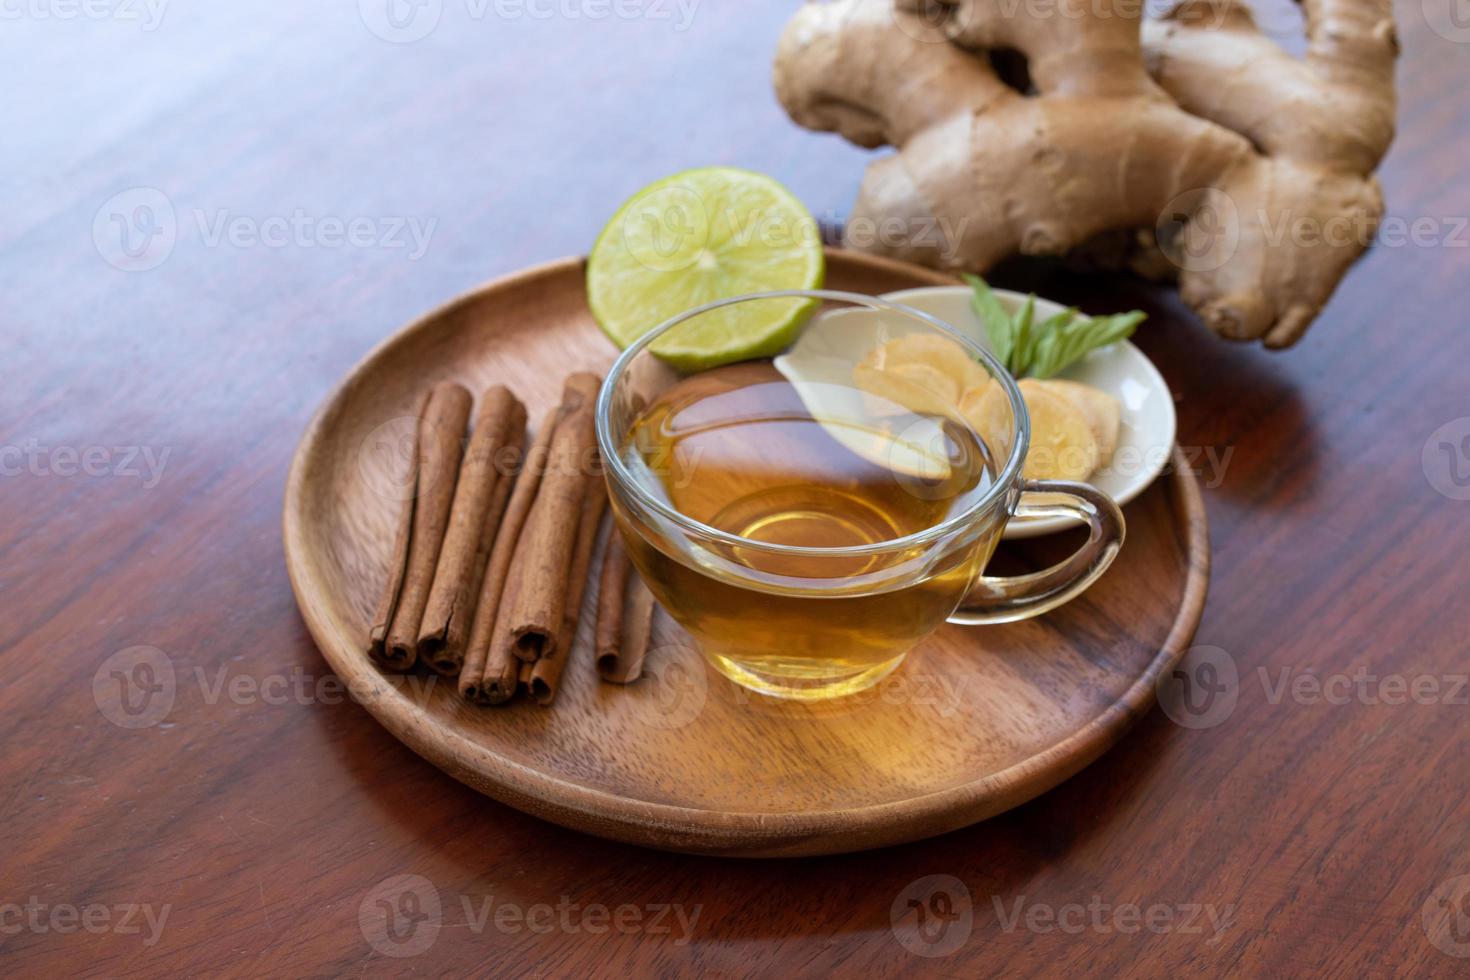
x,y
737,449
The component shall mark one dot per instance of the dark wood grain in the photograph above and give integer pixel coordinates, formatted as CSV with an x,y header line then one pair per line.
x,y
264,823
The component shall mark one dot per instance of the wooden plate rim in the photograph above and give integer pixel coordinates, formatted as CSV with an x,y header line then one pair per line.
x,y
654,822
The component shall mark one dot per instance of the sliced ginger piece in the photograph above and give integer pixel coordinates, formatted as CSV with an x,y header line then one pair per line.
x,y
1063,446
925,373
988,412
1104,413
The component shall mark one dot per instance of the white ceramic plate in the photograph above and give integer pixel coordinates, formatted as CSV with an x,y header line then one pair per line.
x,y
1146,436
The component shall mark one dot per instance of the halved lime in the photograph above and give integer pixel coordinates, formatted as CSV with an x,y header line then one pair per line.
x,y
698,236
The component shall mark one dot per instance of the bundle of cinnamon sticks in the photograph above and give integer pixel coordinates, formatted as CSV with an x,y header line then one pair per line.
x,y
494,549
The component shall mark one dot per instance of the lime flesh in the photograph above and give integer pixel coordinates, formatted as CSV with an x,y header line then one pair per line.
x,y
699,236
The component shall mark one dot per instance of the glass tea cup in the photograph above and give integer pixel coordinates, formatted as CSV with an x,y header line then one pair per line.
x,y
809,516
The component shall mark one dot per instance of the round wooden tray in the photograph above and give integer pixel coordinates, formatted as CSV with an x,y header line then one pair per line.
x,y
977,720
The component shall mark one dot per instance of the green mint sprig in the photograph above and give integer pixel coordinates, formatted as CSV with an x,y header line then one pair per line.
x,y
1040,350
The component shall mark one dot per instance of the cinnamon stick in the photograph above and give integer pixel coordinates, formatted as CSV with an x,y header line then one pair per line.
x,y
539,572
398,560
624,617
548,669
501,677
480,498
612,587
637,632
437,452
543,557
473,675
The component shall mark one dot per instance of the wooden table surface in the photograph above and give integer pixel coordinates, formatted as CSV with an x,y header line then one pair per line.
x,y
262,823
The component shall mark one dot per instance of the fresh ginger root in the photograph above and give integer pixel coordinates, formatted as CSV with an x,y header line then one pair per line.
x,y
1194,122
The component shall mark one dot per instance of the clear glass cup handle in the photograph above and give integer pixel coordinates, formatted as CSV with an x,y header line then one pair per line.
x,y
1005,599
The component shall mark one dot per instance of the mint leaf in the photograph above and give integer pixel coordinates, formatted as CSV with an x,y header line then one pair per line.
x,y
993,316
1040,350
1053,343
1026,337
1095,333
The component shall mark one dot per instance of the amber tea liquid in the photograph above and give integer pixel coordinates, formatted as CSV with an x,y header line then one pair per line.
x,y
738,449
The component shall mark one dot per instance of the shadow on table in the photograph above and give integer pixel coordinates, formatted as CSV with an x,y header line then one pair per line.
x,y
1242,418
